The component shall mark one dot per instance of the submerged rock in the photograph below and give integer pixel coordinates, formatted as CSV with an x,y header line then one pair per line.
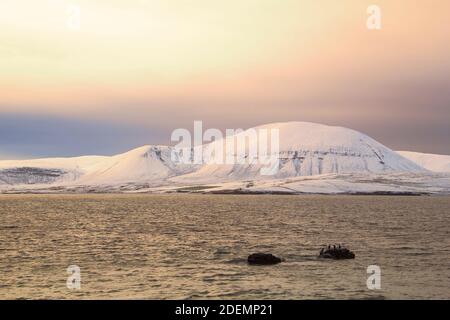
x,y
336,253
263,259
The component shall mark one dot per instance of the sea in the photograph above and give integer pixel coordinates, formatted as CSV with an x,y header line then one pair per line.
x,y
195,246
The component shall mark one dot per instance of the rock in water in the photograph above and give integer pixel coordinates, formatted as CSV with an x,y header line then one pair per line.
x,y
337,254
263,259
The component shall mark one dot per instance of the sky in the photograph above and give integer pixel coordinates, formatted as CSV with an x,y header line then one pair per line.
x,y
104,76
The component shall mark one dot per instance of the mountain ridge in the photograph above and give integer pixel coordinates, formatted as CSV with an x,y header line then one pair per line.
x,y
306,150
432,162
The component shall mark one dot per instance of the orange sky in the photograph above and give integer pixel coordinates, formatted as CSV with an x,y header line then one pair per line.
x,y
240,62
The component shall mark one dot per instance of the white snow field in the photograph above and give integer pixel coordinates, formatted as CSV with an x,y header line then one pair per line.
x,y
313,158
432,162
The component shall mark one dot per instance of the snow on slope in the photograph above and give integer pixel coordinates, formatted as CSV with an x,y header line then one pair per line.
x,y
49,170
432,162
395,183
145,164
308,149
76,163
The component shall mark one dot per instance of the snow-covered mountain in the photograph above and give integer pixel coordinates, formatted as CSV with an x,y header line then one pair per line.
x,y
305,150
432,162
308,149
51,170
144,164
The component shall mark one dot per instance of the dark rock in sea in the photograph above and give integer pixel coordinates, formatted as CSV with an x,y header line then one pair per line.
x,y
263,259
336,253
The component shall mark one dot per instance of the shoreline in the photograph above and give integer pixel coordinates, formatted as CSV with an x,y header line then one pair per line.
x,y
235,192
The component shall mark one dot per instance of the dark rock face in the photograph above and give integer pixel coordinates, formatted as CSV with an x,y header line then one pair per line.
x,y
29,175
336,253
263,259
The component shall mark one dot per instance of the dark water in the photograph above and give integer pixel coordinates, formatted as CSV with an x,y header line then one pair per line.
x,y
195,246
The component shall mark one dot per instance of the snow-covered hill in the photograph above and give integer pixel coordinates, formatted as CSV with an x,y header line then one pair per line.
x,y
145,164
308,149
305,150
432,162
51,170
